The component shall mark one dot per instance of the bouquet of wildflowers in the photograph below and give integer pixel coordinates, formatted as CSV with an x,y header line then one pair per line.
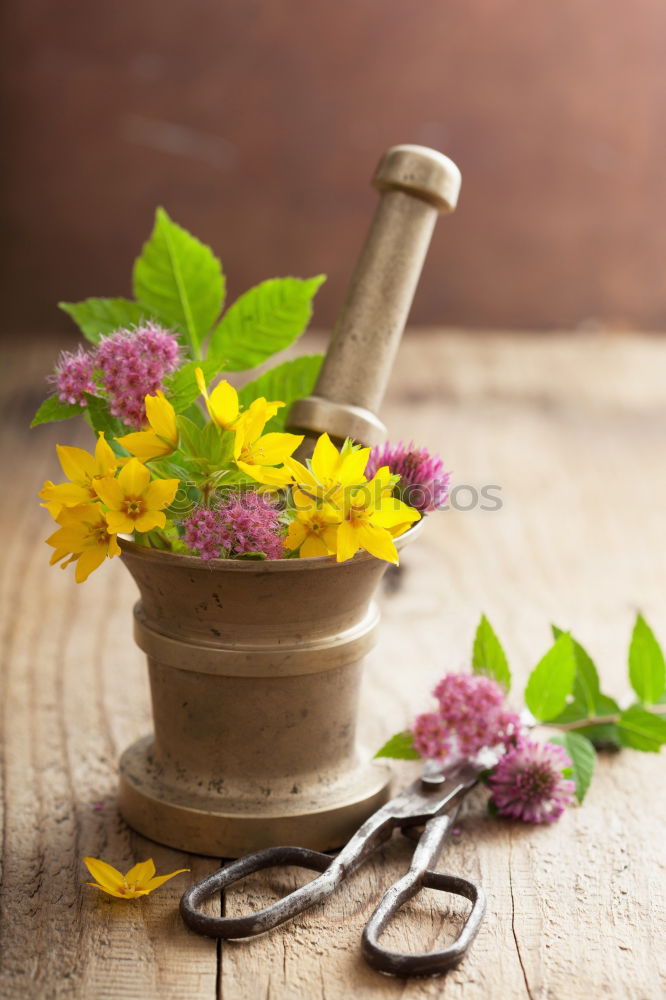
x,y
219,480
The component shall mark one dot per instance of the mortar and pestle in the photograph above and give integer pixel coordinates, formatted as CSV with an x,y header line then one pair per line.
x,y
255,666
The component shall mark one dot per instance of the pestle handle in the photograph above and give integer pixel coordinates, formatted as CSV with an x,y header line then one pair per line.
x,y
416,184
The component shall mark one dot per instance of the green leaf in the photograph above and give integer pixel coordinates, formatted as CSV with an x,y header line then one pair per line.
x,y
399,747
96,318
98,416
587,700
552,680
647,670
266,319
286,382
583,759
180,280
641,729
488,657
53,409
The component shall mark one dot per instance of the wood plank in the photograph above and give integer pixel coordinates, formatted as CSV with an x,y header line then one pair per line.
x,y
574,434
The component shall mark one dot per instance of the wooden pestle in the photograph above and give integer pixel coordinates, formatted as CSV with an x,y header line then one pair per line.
x,y
415,184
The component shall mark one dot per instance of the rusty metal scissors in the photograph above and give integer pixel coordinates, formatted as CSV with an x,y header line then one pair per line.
x,y
433,801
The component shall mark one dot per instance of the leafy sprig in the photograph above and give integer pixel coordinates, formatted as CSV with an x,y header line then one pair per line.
x,y
563,692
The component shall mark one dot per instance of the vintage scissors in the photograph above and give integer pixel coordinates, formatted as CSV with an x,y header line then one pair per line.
x,y
433,801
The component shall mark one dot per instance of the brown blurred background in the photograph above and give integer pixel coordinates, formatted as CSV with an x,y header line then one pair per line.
x,y
257,124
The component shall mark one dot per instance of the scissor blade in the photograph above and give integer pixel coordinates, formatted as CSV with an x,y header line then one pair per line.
x,y
433,794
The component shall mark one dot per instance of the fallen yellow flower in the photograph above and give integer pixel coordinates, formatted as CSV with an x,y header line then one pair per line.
x,y
139,880
161,439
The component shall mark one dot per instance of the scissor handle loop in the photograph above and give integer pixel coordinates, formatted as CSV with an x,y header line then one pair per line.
x,y
263,920
432,963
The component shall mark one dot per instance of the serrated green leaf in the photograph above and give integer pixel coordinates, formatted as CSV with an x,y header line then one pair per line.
x,y
647,670
399,747
551,681
98,416
586,688
641,729
286,382
52,409
266,319
583,759
97,318
180,280
488,657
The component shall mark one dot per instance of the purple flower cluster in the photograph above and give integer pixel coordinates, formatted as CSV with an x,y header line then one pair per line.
x,y
528,782
245,522
73,376
131,364
471,715
423,484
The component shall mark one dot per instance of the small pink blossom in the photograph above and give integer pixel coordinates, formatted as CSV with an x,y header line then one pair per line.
x,y
424,484
432,736
244,523
528,783
73,376
472,714
133,364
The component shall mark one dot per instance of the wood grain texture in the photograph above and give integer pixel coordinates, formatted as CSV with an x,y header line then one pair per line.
x,y
573,431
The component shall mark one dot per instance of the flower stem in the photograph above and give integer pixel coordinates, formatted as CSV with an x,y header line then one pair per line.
x,y
597,720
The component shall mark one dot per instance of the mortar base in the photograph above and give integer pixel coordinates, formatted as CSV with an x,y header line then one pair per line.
x,y
320,818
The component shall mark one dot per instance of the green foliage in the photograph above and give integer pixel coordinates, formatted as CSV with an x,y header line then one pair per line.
x,y
263,321
287,382
399,747
583,759
53,409
587,700
98,416
488,657
96,318
647,671
180,280
181,388
641,729
551,681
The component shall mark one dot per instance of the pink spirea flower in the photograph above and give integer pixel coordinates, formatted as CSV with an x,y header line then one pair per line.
x,y
528,783
245,522
471,715
133,364
73,376
423,484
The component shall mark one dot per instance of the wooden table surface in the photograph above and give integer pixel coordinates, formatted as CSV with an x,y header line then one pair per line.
x,y
572,428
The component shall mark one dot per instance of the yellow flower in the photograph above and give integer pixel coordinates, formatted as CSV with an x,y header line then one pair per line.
x,y
330,470
162,438
371,515
84,535
256,453
222,403
83,470
135,503
139,880
314,531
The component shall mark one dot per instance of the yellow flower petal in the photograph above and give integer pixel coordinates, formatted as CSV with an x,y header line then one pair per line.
x,y
325,459
377,541
89,560
76,463
119,523
347,543
133,478
65,494
223,404
160,493
106,461
141,872
296,535
145,445
352,467
151,519
312,547
162,418
107,876
266,475
155,883
274,448
109,491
